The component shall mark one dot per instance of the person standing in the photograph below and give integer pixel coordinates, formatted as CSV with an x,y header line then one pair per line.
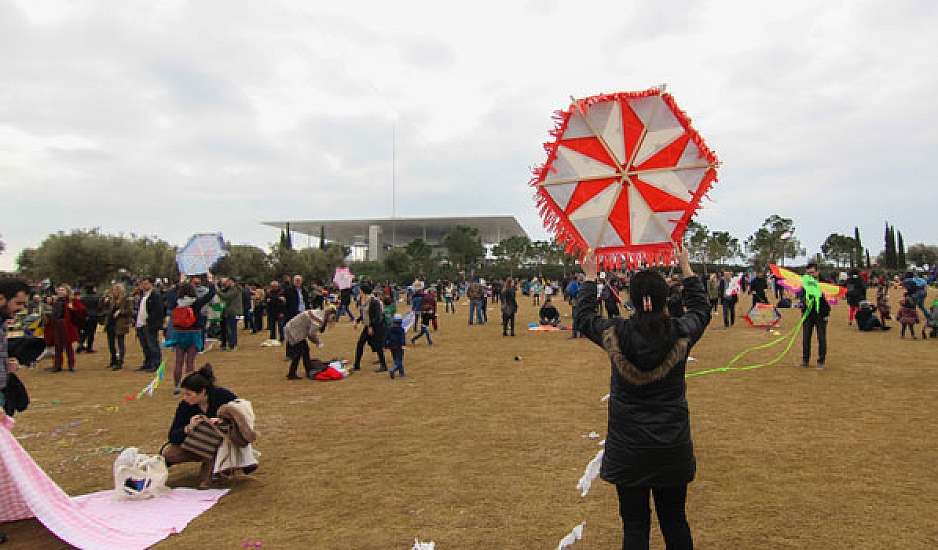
x,y
856,293
509,305
89,299
729,295
817,312
345,304
12,299
475,294
296,298
276,306
117,310
757,288
68,314
373,331
395,342
649,449
149,322
535,290
713,292
188,322
232,298
610,297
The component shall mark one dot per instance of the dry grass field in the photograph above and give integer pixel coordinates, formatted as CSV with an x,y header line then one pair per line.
x,y
477,450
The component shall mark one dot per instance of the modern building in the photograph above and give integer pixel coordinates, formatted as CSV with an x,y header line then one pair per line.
x,y
371,238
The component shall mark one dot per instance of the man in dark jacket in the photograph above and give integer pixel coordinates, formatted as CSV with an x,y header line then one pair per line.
x,y
276,307
89,299
373,331
757,288
232,299
296,298
818,312
150,315
729,295
648,443
12,299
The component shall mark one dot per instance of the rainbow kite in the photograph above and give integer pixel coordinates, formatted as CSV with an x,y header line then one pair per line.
x,y
793,282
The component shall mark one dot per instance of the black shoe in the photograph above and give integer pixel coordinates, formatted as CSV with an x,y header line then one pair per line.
x,y
89,350
53,369
292,376
381,369
356,367
141,368
80,350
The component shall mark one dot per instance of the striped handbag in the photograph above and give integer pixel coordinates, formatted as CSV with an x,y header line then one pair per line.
x,y
203,440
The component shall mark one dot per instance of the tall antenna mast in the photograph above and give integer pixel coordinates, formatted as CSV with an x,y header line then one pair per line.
x,y
394,184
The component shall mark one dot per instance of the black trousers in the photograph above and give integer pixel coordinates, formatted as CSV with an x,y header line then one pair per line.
x,y
360,348
508,324
86,339
636,517
811,324
115,345
729,312
274,323
296,352
612,308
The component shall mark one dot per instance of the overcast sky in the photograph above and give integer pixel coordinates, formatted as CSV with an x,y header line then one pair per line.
x,y
170,118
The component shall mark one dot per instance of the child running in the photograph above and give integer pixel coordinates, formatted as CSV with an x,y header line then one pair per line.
x,y
426,318
395,342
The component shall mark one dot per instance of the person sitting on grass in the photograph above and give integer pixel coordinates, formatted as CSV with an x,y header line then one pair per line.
x,y
933,319
882,304
548,313
866,318
201,399
299,330
648,447
395,342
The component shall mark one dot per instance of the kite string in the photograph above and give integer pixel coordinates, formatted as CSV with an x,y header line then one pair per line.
x,y
729,366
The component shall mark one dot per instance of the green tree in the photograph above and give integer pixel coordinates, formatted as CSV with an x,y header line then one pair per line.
x,y
721,247
858,253
773,241
839,249
868,263
512,252
397,263
420,253
921,254
889,257
900,253
322,237
246,263
464,247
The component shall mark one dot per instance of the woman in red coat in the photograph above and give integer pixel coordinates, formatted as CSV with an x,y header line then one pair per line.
x,y
68,314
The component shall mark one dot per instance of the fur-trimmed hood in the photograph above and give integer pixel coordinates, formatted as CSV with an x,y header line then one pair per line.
x,y
646,364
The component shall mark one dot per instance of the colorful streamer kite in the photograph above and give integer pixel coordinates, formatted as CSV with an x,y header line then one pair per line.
x,y
151,387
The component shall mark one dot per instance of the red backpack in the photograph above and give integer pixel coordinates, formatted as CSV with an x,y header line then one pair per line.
x,y
183,317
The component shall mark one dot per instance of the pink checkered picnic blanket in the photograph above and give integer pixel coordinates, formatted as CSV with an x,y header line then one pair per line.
x,y
96,520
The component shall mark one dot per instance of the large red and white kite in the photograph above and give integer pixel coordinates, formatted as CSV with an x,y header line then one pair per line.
x,y
625,173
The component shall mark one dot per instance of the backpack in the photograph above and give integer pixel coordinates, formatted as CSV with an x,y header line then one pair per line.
x,y
183,317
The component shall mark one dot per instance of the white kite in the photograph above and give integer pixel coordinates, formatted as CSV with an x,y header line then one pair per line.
x,y
591,473
572,537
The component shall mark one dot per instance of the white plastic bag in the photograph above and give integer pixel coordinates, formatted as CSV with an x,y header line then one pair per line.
x,y
139,476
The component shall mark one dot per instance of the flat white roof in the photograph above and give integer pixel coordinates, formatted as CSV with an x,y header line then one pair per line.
x,y
400,231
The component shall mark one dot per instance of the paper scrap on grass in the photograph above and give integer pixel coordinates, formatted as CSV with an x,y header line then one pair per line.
x,y
592,435
591,473
605,398
423,545
572,537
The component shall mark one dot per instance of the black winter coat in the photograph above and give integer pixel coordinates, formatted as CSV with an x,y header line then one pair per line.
x,y
649,439
856,290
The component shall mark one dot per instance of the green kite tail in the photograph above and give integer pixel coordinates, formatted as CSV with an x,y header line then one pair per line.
x,y
729,366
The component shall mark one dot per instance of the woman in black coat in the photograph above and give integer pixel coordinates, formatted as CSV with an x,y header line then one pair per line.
x,y
648,445
509,305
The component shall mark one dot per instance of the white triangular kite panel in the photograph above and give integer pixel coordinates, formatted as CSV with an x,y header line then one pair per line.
x,y
606,118
598,206
655,142
610,237
576,127
691,155
561,193
570,164
680,183
649,227
589,228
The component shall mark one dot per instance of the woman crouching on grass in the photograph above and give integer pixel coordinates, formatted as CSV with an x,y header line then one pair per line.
x,y
201,399
648,445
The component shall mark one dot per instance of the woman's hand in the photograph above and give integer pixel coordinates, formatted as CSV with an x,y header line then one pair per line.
x,y
195,421
589,266
684,260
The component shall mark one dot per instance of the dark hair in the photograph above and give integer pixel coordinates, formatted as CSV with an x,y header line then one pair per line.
x,y
811,265
149,279
184,290
200,380
387,300
367,289
10,287
654,325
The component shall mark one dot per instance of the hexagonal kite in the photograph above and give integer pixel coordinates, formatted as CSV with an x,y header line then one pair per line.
x,y
623,177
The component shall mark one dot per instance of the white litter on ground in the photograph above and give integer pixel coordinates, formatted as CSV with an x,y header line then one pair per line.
x,y
605,398
592,435
423,545
572,537
591,473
